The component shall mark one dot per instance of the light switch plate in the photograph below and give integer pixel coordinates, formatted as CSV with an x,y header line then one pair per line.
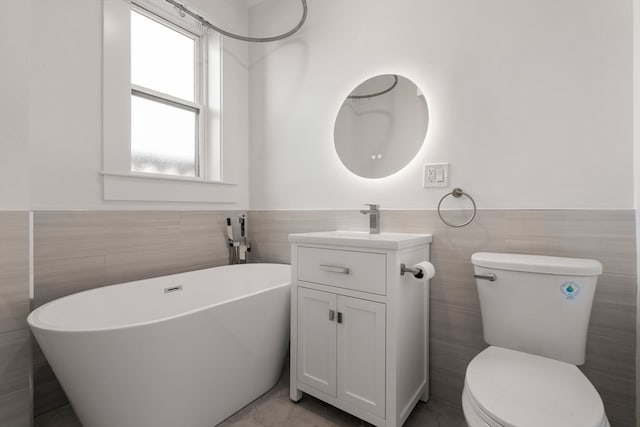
x,y
436,175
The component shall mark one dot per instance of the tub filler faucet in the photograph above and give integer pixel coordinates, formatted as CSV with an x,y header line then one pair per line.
x,y
238,248
374,217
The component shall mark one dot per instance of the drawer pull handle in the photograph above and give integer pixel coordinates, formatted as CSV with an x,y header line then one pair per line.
x,y
334,269
340,317
172,289
332,315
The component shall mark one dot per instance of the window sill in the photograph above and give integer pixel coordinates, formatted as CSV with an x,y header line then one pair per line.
x,y
166,188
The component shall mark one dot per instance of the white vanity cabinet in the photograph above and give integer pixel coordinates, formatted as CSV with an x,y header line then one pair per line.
x,y
359,329
342,358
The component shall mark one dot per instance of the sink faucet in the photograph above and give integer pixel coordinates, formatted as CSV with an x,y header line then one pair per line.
x,y
374,218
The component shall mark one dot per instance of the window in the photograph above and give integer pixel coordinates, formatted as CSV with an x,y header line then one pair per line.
x,y
162,107
167,99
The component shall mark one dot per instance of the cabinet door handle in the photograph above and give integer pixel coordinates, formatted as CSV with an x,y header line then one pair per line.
x,y
332,315
339,317
334,269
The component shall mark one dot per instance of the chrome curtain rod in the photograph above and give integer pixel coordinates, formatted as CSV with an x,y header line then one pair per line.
x,y
373,95
184,10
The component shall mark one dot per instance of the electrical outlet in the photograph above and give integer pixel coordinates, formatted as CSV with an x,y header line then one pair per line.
x,y
436,175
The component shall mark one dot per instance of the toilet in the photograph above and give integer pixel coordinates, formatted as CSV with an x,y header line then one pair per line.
x,y
535,315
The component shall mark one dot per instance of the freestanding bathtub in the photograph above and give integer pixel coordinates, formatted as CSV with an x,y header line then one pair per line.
x,y
184,350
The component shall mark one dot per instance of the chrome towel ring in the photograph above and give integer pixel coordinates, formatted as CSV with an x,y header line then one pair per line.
x,y
457,193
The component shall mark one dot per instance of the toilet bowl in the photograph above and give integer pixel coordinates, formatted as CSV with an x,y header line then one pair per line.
x,y
535,316
510,388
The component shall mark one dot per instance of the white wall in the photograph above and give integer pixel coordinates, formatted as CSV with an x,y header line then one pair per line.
x,y
65,105
530,101
14,83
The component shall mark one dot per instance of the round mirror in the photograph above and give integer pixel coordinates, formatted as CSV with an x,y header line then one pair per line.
x,y
381,126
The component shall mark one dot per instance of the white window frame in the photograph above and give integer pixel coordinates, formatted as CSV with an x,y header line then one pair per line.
x,y
200,87
119,182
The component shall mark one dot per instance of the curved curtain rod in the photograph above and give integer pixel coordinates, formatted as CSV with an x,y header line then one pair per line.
x,y
372,95
183,9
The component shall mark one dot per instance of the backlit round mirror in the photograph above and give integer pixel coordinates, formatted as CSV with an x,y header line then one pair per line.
x,y
381,126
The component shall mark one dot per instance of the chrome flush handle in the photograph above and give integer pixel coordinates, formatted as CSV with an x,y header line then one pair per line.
x,y
490,277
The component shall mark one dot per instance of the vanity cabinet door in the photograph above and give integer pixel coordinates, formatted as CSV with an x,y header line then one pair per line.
x,y
317,339
361,354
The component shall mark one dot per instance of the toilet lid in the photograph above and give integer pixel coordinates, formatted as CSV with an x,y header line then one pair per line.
x,y
525,390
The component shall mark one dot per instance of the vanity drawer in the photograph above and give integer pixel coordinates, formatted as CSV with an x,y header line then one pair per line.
x,y
360,271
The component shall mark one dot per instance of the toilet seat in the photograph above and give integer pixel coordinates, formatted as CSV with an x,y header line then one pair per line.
x,y
510,388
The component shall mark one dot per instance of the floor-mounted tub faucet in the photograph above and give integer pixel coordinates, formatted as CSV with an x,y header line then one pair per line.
x,y
374,218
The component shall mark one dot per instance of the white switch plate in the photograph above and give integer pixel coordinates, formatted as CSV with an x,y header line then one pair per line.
x,y
436,175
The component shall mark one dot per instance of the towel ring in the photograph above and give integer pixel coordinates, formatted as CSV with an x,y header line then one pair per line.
x,y
457,193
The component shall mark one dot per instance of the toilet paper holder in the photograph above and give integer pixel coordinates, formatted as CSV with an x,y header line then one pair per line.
x,y
417,272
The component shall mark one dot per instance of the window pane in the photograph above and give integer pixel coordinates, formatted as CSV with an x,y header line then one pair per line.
x,y
163,138
162,59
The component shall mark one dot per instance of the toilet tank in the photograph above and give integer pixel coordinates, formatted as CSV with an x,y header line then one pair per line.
x,y
537,304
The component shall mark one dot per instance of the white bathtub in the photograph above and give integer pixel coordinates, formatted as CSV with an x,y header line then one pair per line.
x,y
133,355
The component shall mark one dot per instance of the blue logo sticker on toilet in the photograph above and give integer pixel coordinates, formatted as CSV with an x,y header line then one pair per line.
x,y
570,289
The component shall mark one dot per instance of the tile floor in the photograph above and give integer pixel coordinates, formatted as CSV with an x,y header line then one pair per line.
x,y
274,409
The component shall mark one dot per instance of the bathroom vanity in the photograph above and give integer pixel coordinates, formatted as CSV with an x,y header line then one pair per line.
x,y
359,329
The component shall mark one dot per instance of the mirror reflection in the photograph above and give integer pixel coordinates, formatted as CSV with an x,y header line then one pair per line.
x,y
381,126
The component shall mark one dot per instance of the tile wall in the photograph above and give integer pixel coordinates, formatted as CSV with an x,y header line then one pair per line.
x,y
80,250
456,328
15,342
77,250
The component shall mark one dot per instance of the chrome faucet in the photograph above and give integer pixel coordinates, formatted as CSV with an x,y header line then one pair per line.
x,y
374,218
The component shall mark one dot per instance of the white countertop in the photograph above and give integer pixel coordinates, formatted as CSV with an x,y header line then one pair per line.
x,y
362,239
